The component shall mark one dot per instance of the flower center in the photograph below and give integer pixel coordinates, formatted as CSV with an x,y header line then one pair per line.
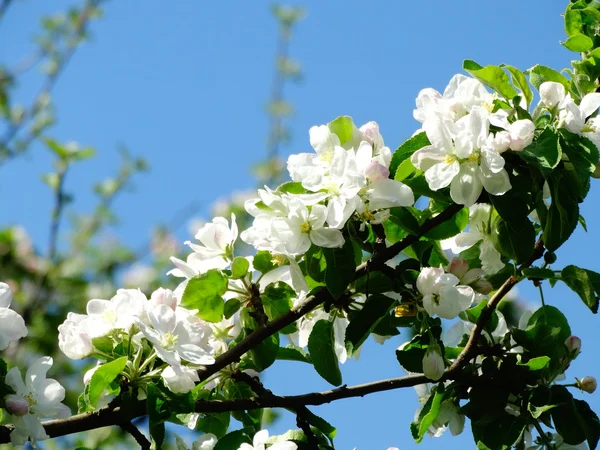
x,y
30,399
475,156
169,340
305,227
110,316
449,159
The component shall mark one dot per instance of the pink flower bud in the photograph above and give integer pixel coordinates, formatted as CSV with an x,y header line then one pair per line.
x,y
370,131
16,405
458,267
164,297
587,384
483,287
376,171
573,344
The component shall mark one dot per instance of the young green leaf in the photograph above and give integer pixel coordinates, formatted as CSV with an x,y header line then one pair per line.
x,y
102,377
493,77
322,351
585,283
405,151
204,293
340,269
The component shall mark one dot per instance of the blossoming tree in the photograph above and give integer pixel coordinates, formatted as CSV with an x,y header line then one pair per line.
x,y
363,241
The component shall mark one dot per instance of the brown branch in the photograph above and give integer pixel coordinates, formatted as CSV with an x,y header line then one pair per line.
x,y
139,437
470,349
106,417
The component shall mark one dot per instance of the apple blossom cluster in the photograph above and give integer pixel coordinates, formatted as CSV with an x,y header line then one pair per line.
x,y
33,397
345,176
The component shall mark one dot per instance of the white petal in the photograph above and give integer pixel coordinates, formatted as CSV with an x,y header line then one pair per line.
x,y
589,104
426,157
551,93
327,237
441,175
388,193
495,183
466,186
5,295
12,327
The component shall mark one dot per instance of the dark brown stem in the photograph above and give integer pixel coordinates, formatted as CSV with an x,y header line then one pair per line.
x,y
130,428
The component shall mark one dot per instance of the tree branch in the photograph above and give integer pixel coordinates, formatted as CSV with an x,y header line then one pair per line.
x,y
106,417
139,437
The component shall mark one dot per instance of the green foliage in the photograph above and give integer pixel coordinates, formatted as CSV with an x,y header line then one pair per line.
x,y
102,377
341,266
204,293
428,414
563,213
344,127
239,267
364,322
322,351
493,77
405,151
585,283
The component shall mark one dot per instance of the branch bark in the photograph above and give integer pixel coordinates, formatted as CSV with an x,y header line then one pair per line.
x,y
106,417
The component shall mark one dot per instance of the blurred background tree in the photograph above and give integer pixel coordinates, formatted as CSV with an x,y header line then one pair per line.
x,y
82,258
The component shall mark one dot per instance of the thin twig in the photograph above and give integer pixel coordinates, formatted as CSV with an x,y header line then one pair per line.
x,y
130,428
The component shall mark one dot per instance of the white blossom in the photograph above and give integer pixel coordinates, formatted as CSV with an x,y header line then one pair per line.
x,y
478,231
433,363
180,379
260,440
459,157
120,312
44,396
172,340
73,339
442,296
12,325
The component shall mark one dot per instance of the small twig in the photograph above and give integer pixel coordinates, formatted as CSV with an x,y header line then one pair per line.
x,y
302,412
130,428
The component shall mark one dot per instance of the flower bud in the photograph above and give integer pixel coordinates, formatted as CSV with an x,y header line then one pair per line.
x,y
376,171
371,134
433,363
483,287
550,257
16,405
587,384
521,134
573,344
458,267
551,93
164,297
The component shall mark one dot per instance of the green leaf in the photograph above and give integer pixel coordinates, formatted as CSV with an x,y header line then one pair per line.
x,y
232,306
264,354
157,414
235,439
277,300
585,283
291,353
536,272
344,127
217,424
404,170
410,356
102,377
493,77
405,151
578,43
497,430
540,74
573,22
582,154
514,240
419,186
239,267
563,211
567,419
292,187
364,322
543,153
321,424
263,261
536,363
428,414
450,227
520,81
315,264
340,268
204,293
404,218
322,352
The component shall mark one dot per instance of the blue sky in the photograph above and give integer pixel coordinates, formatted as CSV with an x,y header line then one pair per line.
x,y
185,84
